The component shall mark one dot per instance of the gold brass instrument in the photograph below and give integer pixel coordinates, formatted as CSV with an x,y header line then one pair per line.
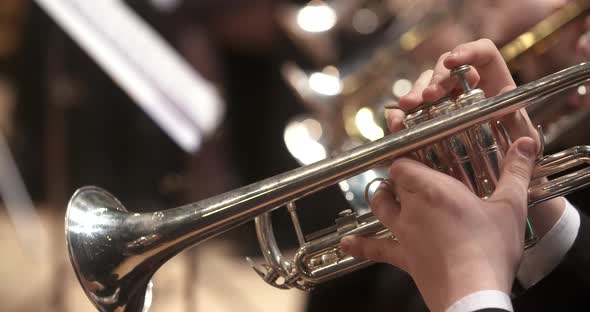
x,y
539,37
555,114
115,252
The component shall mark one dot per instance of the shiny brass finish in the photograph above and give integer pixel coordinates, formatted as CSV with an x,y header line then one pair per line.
x,y
554,113
544,29
115,252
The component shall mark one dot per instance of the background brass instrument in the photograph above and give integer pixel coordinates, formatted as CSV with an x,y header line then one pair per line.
x,y
541,36
558,119
115,252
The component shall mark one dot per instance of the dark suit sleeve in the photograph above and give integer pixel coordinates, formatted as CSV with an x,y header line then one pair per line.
x,y
566,288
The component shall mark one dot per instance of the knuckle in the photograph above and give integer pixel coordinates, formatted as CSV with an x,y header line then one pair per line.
x,y
443,57
436,79
458,49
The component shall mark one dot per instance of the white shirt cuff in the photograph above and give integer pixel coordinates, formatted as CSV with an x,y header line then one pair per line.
x,y
539,260
483,299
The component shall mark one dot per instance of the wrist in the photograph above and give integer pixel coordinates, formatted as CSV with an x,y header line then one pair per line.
x,y
540,260
484,299
464,280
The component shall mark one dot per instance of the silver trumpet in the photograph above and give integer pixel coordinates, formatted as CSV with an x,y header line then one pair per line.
x,y
115,252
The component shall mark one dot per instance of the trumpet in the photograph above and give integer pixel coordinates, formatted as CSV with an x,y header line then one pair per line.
x,y
115,252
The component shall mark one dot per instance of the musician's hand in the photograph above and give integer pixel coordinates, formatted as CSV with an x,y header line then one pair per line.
x,y
450,241
489,73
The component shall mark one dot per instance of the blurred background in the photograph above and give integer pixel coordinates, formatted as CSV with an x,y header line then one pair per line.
x,y
265,86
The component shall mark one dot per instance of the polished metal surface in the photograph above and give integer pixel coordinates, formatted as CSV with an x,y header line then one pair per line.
x,y
115,252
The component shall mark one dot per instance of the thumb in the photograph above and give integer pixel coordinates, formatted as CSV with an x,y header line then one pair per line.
x,y
517,170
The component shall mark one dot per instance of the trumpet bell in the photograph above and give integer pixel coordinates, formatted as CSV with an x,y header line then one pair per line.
x,y
94,220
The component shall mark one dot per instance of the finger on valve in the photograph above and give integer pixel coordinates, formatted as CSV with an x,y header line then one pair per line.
x,y
379,250
484,57
414,98
395,118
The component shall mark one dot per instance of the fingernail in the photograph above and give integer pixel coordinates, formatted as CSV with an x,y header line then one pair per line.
x,y
394,117
527,148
